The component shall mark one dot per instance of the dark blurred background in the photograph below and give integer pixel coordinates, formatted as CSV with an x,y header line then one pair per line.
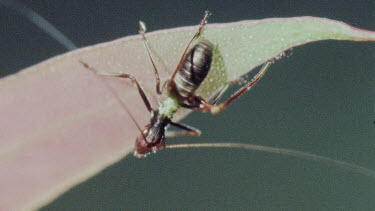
x,y
320,100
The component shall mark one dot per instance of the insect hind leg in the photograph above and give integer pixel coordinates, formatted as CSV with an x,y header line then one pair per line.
x,y
198,103
196,35
217,108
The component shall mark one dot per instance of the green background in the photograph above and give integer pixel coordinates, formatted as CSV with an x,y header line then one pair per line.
x,y
320,100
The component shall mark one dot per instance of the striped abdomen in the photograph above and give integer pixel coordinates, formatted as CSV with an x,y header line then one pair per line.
x,y
194,68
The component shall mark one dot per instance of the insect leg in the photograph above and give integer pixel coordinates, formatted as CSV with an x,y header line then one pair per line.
x,y
197,34
217,108
142,30
124,75
198,103
224,89
188,130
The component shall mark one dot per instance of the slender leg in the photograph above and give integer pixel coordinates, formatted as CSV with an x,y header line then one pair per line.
x,y
164,85
123,75
197,34
189,131
198,103
142,30
214,101
224,89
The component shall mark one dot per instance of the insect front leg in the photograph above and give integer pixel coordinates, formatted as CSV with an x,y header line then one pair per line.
x,y
124,75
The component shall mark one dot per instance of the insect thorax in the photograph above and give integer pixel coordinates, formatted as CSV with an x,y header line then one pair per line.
x,y
169,105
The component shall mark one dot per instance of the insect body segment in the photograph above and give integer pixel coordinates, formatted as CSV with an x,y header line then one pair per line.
x,y
194,69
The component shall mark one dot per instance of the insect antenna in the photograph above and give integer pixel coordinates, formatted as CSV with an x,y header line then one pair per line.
x,y
39,21
282,151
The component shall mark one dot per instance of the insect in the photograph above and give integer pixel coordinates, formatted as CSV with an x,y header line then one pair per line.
x,y
179,91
